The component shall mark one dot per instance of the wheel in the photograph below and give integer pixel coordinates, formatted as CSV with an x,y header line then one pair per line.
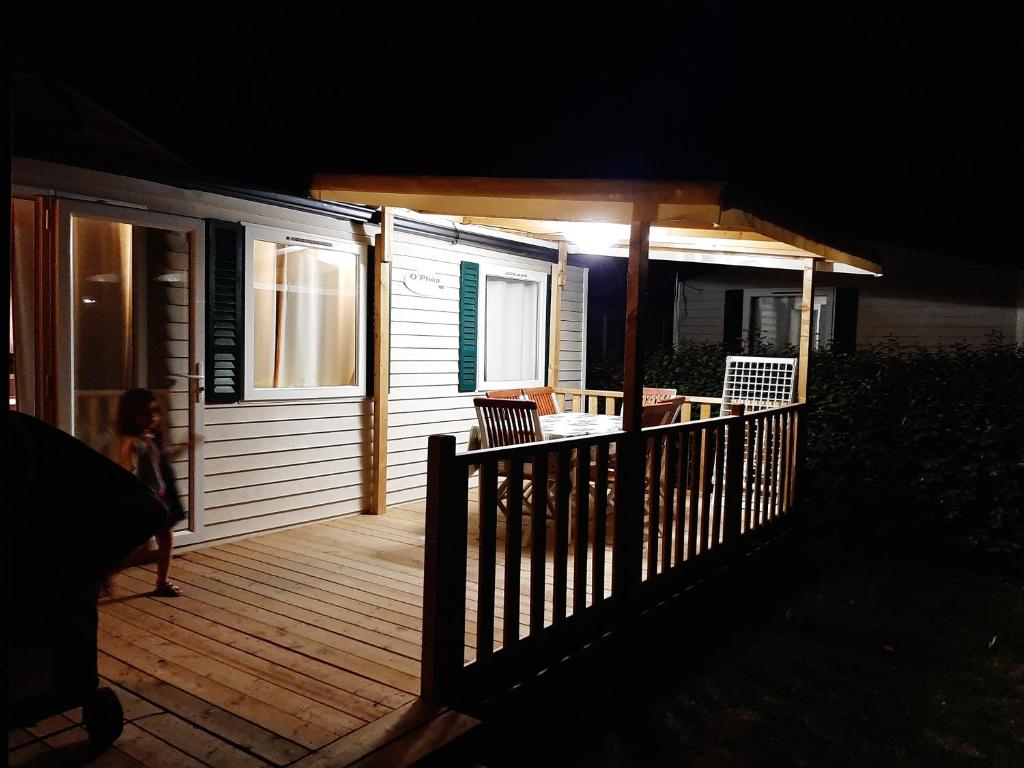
x,y
103,717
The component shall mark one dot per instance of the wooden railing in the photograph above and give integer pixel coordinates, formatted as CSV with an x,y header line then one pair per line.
x,y
589,400
612,522
609,401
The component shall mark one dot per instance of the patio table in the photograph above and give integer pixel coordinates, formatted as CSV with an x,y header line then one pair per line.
x,y
556,426
575,424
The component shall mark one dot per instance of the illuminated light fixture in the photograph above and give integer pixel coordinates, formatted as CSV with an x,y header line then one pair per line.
x,y
87,300
105,277
594,235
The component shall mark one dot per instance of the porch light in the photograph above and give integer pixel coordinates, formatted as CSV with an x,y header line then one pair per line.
x,y
594,235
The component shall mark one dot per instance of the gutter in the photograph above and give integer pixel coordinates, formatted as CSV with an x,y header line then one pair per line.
x,y
454,235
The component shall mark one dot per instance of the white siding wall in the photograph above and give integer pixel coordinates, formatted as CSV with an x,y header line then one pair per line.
x,y
930,322
572,341
424,398
274,464
922,300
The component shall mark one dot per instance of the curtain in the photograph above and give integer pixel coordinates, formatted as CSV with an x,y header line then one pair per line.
x,y
23,346
511,343
305,317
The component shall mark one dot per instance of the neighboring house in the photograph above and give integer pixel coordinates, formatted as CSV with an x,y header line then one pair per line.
x,y
250,315
924,299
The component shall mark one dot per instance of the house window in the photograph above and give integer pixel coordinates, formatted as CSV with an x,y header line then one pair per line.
x,y
513,311
305,316
772,319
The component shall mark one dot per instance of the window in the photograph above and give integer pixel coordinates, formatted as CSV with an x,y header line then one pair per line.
x,y
513,313
772,318
305,316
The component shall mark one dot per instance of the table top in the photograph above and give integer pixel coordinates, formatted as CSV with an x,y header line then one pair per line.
x,y
567,424
574,424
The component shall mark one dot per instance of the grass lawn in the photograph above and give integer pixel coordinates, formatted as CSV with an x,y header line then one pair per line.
x,y
839,655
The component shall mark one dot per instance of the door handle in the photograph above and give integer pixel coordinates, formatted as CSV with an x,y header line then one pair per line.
x,y
198,380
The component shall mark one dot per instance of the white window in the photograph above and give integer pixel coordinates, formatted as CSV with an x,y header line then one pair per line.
x,y
773,318
305,307
513,313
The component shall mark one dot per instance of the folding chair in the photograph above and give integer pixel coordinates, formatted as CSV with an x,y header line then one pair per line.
x,y
652,395
506,423
654,415
505,394
544,397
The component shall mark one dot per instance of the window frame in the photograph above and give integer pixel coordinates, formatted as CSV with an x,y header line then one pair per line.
x,y
525,275
822,297
281,235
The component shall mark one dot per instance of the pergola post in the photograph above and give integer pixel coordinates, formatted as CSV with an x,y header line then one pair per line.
x,y
627,562
381,359
557,282
806,329
636,315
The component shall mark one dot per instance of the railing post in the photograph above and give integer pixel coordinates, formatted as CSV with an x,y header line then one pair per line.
x,y
444,572
734,437
800,414
627,549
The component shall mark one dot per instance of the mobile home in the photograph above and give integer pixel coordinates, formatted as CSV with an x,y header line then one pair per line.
x,y
250,316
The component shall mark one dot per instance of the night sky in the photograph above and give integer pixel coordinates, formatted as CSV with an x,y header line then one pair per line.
x,y
885,121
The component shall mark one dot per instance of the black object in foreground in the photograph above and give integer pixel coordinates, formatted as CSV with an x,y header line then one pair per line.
x,y
74,515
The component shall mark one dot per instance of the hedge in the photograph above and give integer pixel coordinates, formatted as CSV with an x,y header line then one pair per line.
x,y
925,444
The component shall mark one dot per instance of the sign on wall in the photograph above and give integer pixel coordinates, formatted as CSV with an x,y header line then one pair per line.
x,y
424,283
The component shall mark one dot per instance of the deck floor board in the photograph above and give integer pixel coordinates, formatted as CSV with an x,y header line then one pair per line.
x,y
298,646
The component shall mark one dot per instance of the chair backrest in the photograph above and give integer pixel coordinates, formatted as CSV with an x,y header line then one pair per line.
x,y
545,399
652,395
507,422
505,394
663,412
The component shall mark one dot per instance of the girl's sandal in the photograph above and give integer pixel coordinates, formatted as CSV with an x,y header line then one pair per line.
x,y
167,589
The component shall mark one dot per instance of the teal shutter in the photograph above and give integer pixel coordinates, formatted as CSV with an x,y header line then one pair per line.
x,y
469,295
224,282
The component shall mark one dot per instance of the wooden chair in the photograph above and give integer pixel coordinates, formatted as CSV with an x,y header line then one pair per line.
x,y
652,395
663,411
506,422
544,397
654,415
505,394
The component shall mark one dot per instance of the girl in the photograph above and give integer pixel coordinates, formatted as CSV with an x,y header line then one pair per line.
x,y
141,452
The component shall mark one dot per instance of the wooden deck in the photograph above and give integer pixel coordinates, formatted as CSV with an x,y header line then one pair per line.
x,y
294,648
299,647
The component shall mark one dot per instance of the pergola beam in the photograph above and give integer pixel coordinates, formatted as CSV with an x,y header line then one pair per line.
x,y
688,209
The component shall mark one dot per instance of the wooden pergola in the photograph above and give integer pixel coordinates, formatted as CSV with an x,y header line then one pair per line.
x,y
677,220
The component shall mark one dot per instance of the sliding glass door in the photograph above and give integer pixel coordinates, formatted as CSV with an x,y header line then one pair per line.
x,y
126,303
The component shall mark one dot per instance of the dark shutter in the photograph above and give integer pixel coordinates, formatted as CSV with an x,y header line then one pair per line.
x,y
547,340
844,322
732,335
469,293
225,279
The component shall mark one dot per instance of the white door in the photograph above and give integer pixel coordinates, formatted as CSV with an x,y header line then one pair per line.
x,y
127,290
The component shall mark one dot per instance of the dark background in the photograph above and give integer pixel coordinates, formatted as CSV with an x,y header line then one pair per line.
x,y
884,121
